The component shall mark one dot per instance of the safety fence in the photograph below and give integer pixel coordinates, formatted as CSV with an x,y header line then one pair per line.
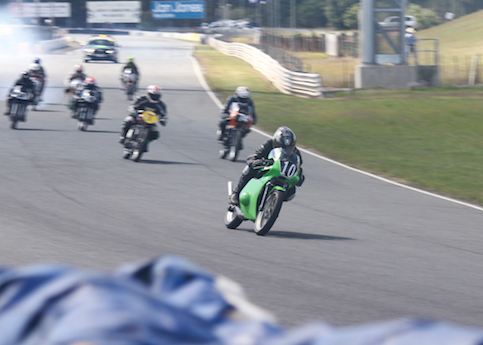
x,y
286,81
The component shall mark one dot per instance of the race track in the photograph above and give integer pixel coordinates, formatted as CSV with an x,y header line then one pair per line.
x,y
349,249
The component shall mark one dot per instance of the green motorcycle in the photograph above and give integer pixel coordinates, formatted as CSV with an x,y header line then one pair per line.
x,y
262,197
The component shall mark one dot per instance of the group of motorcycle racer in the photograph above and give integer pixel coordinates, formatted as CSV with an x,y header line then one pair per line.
x,y
283,137
26,81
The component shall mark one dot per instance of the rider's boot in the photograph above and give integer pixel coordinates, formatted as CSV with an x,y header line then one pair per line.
x,y
124,130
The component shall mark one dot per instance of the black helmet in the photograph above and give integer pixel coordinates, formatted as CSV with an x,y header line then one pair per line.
x,y
26,75
284,137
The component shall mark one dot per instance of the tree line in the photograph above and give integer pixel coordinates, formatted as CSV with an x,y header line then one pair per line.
x,y
338,14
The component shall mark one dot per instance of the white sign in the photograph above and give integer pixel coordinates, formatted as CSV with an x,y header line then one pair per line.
x,y
40,9
113,11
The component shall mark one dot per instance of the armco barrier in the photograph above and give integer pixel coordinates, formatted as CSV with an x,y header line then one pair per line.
x,y
286,81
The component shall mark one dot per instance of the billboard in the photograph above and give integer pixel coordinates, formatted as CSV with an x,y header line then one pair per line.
x,y
178,9
113,11
40,9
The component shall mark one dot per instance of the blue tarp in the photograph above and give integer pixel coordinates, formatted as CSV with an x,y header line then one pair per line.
x,y
170,300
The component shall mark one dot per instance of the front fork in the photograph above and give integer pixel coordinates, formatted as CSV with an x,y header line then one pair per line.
x,y
268,189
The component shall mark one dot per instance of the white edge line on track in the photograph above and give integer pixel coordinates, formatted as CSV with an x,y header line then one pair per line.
x,y
203,83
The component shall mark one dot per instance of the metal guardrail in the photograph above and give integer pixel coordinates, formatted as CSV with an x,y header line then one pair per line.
x,y
286,81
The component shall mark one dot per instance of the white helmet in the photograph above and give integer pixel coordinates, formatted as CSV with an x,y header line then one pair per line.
x,y
242,92
35,67
78,68
154,93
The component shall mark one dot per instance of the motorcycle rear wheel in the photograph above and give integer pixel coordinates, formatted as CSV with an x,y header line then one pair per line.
x,y
13,125
231,220
266,217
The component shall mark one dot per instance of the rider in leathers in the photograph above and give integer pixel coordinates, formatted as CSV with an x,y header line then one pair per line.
x,y
37,72
242,95
131,65
78,74
89,84
283,137
150,102
27,86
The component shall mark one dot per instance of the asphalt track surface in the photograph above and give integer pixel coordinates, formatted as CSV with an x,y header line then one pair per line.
x,y
349,249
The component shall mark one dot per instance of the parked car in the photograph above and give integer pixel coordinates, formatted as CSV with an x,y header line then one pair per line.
x,y
392,22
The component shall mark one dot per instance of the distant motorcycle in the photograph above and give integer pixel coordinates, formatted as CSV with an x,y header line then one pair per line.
x,y
86,103
129,80
138,136
238,124
262,197
20,99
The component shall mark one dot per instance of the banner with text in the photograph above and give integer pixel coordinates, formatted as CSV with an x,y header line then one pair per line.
x,y
40,9
178,9
113,11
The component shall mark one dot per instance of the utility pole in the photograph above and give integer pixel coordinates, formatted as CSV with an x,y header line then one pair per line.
x,y
293,21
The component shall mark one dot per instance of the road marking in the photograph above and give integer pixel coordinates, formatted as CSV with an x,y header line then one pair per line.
x,y
203,83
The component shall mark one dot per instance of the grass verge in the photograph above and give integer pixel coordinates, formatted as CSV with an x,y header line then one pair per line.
x,y
428,138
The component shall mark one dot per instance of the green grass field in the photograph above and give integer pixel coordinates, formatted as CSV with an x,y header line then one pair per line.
x,y
428,138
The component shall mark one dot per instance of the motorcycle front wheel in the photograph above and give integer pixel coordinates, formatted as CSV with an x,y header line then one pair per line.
x,y
82,126
234,145
13,125
231,220
138,151
267,216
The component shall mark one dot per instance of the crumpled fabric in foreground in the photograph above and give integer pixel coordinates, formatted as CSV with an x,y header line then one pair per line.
x,y
170,300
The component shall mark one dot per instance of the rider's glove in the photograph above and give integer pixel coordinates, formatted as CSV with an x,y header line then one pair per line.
x,y
301,180
262,162
257,162
164,121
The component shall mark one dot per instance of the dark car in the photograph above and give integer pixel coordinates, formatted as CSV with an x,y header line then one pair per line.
x,y
101,48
